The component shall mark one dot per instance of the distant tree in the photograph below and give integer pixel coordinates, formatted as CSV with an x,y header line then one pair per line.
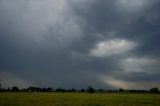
x,y
44,90
101,90
8,89
82,90
73,90
109,90
114,91
144,91
38,89
24,90
15,89
121,90
60,90
0,85
33,89
154,90
133,91
49,89
90,89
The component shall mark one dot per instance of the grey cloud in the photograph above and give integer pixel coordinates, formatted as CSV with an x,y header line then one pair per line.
x,y
49,41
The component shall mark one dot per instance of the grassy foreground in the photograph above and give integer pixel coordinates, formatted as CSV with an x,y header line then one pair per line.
x,y
78,99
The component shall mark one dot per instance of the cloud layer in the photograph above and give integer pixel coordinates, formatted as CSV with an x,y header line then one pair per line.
x,y
112,47
76,43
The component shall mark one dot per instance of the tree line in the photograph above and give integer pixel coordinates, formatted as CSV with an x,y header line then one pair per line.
x,y
88,89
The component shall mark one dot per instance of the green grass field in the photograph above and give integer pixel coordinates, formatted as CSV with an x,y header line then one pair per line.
x,y
78,99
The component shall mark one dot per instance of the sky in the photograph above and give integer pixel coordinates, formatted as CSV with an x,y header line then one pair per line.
x,y
108,44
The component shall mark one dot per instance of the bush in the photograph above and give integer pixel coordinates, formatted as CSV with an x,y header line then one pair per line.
x,y
90,89
15,89
154,90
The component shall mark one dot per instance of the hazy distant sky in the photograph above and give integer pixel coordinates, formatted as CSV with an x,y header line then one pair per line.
x,y
79,43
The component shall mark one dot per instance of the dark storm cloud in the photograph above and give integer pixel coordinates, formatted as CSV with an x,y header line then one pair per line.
x,y
104,11
65,43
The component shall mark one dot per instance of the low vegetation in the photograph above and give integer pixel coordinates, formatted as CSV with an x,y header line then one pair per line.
x,y
36,96
78,99
88,89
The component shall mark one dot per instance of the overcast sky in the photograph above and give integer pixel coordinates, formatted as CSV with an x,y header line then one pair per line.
x,y
79,43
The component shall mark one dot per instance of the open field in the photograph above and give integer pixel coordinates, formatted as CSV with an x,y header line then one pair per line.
x,y
78,99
